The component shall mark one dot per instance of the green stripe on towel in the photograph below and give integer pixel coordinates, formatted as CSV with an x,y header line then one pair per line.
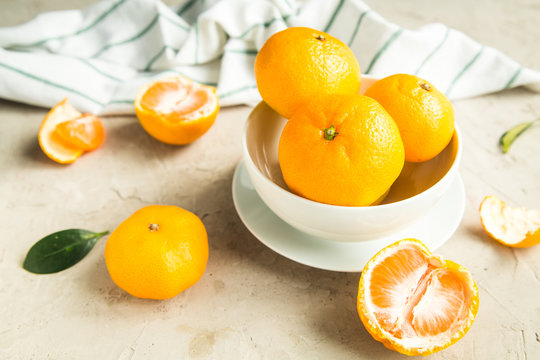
x,y
148,67
265,24
242,51
83,30
392,38
463,71
433,51
174,22
50,83
513,78
131,39
197,42
353,36
236,91
186,7
97,70
334,15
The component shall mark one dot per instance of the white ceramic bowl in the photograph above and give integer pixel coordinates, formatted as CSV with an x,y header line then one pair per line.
x,y
415,192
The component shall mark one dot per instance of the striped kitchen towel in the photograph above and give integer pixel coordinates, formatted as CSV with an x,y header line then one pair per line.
x,y
99,56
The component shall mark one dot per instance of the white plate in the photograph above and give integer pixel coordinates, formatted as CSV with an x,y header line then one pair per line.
x,y
433,230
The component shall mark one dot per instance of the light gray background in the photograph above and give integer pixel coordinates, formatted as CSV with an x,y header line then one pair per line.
x,y
251,302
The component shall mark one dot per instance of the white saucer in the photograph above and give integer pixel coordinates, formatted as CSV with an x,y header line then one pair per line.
x,y
433,230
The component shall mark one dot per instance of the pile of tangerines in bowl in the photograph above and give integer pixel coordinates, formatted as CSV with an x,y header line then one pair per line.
x,y
339,152
339,147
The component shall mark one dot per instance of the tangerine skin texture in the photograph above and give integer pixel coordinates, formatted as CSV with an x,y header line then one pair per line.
x,y
355,168
157,262
298,63
425,116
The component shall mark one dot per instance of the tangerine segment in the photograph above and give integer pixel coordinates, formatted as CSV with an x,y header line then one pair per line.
x,y
52,144
176,110
415,302
515,227
85,132
157,252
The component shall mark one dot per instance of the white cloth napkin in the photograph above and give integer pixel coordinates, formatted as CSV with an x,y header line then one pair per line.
x,y
101,55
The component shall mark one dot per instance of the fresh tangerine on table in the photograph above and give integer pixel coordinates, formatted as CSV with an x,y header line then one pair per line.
x,y
157,252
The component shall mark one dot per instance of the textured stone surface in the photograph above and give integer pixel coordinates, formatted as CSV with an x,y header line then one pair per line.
x,y
251,302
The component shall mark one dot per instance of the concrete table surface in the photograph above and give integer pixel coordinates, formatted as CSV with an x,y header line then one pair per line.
x,y
252,303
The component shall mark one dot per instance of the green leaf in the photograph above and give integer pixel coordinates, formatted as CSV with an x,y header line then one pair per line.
x,y
511,135
60,250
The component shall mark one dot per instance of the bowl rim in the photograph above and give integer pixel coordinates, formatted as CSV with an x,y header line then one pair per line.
x,y
380,207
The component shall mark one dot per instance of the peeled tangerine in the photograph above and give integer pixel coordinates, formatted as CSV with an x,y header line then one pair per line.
x,y
176,110
515,227
65,133
415,302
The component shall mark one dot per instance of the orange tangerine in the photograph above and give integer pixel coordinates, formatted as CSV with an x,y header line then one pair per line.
x,y
299,63
341,150
415,302
157,252
424,116
176,110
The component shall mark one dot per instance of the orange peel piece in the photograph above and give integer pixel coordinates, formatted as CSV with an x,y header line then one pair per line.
x,y
65,133
415,302
511,226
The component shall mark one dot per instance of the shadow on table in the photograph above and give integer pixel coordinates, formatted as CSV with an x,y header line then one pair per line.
x,y
325,300
330,297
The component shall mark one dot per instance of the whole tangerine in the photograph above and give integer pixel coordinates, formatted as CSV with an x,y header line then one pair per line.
x,y
298,63
341,150
424,116
157,252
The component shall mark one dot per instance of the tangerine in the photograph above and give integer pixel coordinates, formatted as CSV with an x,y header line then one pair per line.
x,y
415,302
298,63
341,150
424,116
157,252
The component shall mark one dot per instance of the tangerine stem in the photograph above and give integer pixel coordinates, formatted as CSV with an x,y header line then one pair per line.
x,y
330,133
